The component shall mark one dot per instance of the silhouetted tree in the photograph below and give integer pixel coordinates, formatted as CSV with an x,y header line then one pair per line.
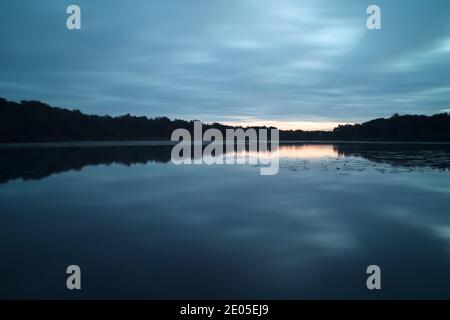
x,y
34,121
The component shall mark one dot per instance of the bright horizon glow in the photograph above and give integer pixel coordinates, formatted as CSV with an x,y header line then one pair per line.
x,y
288,125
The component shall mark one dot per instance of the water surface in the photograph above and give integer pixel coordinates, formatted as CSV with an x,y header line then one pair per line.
x,y
142,227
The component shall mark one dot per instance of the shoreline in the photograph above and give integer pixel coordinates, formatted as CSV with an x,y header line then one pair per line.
x,y
143,143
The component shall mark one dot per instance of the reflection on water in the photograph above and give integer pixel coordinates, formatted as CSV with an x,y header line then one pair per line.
x,y
34,162
37,163
141,227
308,151
296,151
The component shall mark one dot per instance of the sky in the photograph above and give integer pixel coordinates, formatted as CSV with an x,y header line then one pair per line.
x,y
290,63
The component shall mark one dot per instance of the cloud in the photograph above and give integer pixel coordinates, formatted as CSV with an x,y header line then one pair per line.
x,y
211,60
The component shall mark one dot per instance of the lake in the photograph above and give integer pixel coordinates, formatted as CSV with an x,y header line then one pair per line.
x,y
140,226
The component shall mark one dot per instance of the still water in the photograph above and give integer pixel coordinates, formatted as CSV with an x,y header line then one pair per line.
x,y
141,227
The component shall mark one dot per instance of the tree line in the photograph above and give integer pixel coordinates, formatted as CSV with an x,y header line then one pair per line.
x,y
34,121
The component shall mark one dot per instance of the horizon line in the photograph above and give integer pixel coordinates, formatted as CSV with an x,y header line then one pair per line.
x,y
303,125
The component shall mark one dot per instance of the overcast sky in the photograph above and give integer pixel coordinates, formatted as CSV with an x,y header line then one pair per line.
x,y
309,64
